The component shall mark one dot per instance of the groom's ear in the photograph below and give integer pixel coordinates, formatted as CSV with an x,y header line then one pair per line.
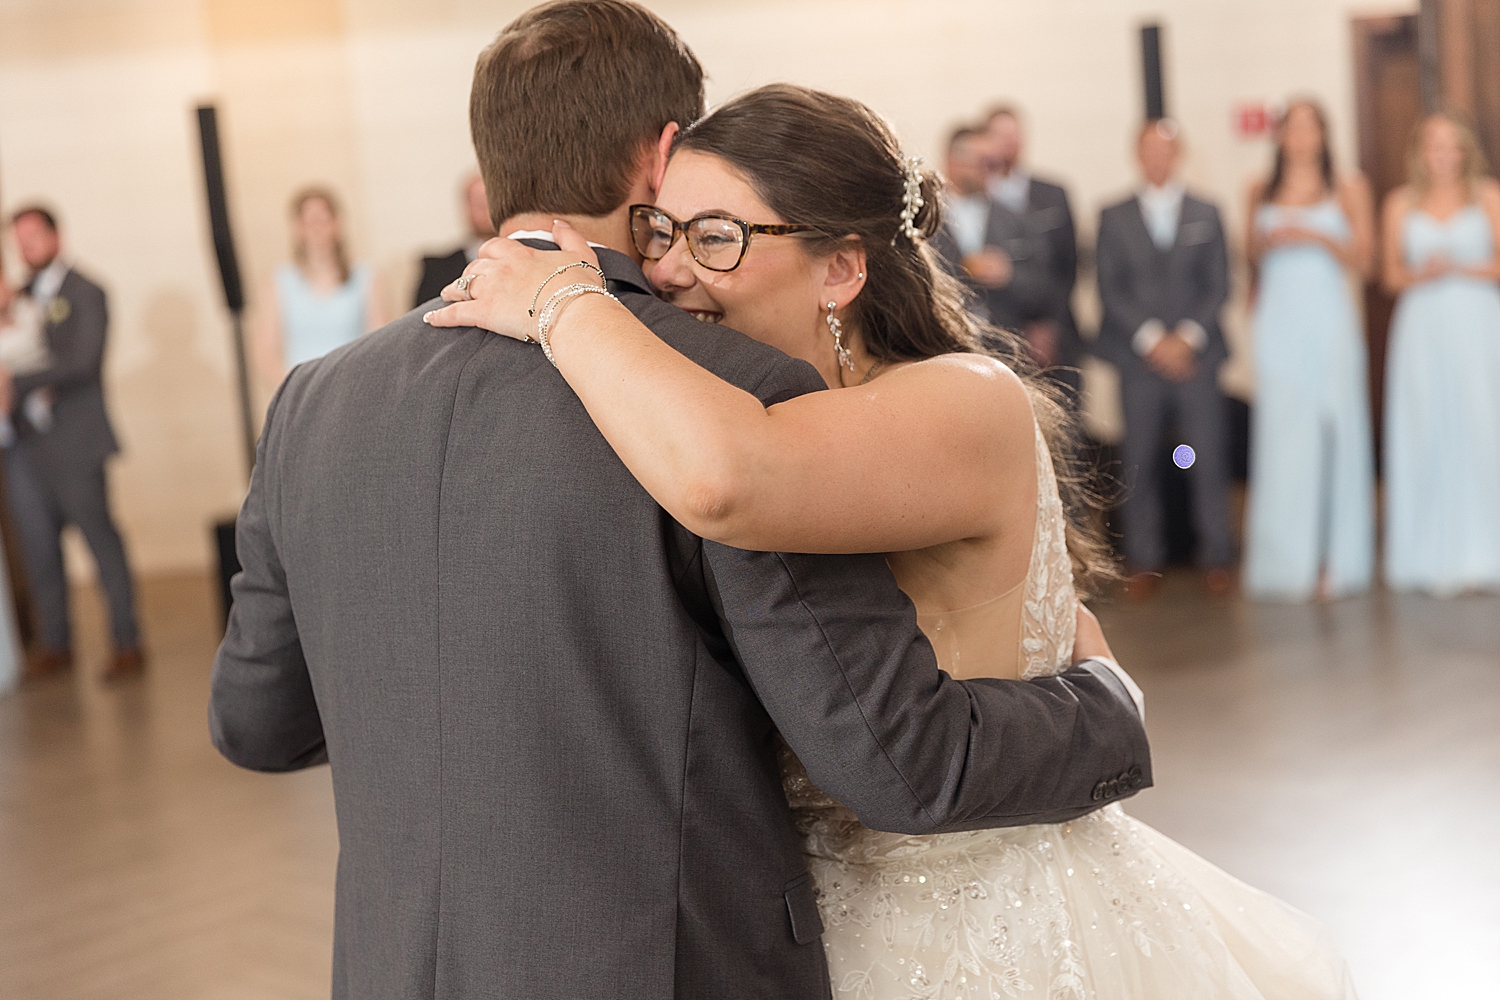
x,y
662,154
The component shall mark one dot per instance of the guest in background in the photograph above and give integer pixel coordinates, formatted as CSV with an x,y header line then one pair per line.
x,y
316,301
1310,527
10,646
55,473
1163,278
1442,417
439,272
23,351
1050,247
986,245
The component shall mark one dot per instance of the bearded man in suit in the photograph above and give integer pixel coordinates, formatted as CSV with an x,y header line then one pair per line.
x,y
1049,241
55,467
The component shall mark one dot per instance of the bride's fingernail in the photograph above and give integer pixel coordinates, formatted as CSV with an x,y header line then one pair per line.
x,y
427,316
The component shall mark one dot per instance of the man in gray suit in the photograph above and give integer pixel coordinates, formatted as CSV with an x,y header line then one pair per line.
x,y
55,468
1163,278
550,712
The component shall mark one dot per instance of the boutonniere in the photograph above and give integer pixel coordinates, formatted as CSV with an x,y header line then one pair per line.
x,y
58,310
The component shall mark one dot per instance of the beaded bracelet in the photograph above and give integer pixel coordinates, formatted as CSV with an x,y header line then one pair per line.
x,y
549,312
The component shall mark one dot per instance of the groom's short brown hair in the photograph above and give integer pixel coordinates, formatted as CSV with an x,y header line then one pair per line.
x,y
569,97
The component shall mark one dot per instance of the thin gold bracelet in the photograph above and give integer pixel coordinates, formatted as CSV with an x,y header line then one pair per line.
x,y
576,263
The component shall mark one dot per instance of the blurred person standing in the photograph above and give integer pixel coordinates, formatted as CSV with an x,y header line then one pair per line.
x,y
1442,417
316,302
984,244
1049,244
1163,279
1311,522
18,320
440,271
55,469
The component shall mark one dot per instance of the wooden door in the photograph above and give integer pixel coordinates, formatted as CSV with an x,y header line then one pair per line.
x,y
1467,50
1388,91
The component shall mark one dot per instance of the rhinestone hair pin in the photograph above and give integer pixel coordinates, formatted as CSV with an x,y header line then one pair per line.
x,y
911,200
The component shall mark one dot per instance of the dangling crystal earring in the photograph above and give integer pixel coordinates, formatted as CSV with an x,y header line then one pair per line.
x,y
837,329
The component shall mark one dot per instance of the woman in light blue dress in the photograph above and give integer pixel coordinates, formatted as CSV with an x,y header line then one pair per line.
x,y
1311,519
1442,417
317,301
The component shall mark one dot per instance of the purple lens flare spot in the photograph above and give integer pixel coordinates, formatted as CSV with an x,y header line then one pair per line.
x,y
1183,457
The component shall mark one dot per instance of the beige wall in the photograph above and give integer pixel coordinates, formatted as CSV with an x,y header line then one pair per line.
x,y
369,96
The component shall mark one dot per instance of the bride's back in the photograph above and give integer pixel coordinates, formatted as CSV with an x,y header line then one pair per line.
x,y
1025,630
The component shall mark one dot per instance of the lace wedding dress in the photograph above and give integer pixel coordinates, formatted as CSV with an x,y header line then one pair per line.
x,y
1102,908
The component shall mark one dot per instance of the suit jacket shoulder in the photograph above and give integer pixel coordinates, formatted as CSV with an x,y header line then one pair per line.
x,y
1046,193
77,284
1115,209
1199,206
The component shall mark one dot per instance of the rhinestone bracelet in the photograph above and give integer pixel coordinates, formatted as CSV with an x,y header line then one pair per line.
x,y
549,312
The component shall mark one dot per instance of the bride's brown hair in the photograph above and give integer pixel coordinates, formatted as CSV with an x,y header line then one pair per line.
x,y
831,163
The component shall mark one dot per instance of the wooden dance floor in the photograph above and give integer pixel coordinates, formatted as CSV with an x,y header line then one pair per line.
x,y
1344,758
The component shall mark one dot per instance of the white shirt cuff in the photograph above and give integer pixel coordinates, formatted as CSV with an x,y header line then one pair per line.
x,y
1148,336
1192,331
1136,694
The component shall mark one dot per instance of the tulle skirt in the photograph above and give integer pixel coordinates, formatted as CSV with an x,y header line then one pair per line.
x,y
1103,908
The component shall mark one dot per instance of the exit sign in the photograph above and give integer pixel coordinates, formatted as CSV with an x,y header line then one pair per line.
x,y
1254,119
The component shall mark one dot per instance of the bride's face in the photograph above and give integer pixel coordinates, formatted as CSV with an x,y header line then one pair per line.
x,y
776,295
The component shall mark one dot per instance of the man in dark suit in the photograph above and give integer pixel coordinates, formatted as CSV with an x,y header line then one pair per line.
x,y
550,711
439,272
1163,278
986,245
55,469
1048,239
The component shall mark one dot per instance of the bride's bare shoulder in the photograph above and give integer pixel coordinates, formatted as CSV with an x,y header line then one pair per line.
x,y
981,384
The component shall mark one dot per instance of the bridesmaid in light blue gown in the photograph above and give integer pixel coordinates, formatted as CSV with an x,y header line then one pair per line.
x,y
1442,418
1311,519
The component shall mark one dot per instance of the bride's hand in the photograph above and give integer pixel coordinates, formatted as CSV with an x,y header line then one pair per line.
x,y
505,287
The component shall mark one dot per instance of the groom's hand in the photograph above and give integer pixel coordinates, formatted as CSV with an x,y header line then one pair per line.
x,y
1090,643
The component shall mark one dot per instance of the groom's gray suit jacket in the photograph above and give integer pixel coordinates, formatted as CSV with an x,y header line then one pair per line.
x,y
551,712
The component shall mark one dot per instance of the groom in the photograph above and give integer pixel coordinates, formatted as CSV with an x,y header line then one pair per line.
x,y
551,713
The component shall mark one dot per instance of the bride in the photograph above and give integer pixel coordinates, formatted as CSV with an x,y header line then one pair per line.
x,y
791,216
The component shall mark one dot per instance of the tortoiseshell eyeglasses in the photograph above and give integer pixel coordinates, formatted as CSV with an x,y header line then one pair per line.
x,y
718,242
